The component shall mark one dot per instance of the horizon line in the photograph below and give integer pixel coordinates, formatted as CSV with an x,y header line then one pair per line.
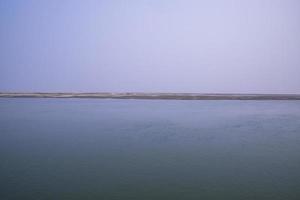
x,y
152,95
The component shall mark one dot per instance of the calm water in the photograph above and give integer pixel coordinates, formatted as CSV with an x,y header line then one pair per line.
x,y
149,149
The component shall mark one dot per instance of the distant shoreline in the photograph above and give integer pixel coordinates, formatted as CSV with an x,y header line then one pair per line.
x,y
175,96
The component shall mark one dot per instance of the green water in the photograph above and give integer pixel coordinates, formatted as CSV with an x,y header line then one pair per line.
x,y
149,149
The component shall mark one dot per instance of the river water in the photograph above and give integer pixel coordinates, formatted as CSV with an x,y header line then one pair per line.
x,y
149,149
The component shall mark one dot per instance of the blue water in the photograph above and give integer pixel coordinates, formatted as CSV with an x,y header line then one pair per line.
x,y
149,149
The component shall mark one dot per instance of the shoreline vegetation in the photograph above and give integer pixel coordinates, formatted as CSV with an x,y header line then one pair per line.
x,y
140,95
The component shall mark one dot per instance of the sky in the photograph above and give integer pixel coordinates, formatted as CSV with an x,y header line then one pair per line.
x,y
205,46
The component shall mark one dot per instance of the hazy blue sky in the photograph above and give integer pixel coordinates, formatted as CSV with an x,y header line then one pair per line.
x,y
242,46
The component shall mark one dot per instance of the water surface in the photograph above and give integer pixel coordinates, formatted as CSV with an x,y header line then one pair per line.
x,y
149,149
